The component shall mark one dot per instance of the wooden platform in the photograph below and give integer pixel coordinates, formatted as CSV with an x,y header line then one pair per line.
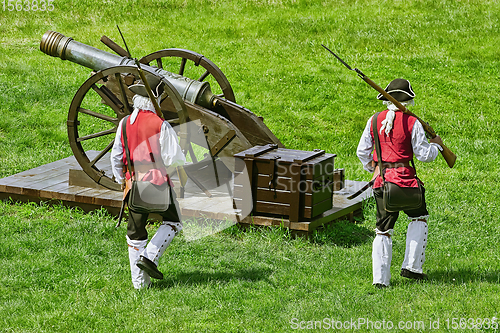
x,y
50,182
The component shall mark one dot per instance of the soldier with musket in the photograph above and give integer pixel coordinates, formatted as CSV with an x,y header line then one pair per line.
x,y
401,137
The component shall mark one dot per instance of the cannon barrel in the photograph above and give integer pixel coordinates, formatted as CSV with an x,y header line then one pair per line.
x,y
57,45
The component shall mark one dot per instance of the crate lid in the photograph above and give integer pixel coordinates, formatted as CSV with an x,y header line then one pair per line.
x,y
272,151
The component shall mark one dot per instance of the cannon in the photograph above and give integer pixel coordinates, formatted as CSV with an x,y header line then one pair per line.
x,y
188,101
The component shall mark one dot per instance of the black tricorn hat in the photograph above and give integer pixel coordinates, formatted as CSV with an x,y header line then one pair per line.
x,y
140,89
400,89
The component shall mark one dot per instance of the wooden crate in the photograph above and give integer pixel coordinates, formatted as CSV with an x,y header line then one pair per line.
x,y
293,183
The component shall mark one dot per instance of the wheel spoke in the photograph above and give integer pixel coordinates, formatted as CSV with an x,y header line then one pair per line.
x,y
174,122
183,66
204,76
118,77
99,115
191,152
109,98
159,63
96,135
102,153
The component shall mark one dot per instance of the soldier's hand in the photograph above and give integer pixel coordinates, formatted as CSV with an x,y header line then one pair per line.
x,y
437,140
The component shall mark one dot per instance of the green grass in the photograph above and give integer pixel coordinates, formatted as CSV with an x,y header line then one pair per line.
x,y
63,270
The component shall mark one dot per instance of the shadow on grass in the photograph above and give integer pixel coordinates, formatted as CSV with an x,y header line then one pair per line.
x,y
343,234
464,276
453,277
197,277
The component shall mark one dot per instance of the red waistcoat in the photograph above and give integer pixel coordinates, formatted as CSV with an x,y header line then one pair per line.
x,y
143,138
396,147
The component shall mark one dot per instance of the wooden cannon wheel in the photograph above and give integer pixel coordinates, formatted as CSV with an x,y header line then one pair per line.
x,y
96,111
158,57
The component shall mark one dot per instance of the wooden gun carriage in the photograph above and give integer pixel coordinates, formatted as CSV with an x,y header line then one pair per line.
x,y
212,129
228,128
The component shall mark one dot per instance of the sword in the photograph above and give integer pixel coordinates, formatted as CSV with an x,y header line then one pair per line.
x,y
121,214
364,188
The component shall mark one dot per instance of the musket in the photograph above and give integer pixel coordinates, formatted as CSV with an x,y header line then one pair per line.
x,y
143,78
448,155
157,111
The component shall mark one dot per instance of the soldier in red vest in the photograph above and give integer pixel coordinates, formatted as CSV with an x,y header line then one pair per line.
x,y
401,137
153,146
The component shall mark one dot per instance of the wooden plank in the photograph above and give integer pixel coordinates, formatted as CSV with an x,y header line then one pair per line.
x,y
265,221
265,194
90,195
55,191
256,151
272,208
309,156
40,185
197,206
333,214
109,198
32,172
224,209
29,179
35,178
204,207
65,192
12,189
302,226
284,197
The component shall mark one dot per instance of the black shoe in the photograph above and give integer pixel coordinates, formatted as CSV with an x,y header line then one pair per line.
x,y
149,267
380,286
412,275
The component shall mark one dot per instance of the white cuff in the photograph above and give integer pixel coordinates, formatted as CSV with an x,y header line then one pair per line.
x,y
390,232
368,167
437,145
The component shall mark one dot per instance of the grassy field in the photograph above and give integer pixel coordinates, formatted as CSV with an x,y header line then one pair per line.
x,y
66,271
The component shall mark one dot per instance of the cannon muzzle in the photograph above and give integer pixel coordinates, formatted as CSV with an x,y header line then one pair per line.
x,y
57,45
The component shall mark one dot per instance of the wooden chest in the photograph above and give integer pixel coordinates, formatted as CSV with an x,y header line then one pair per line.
x,y
294,183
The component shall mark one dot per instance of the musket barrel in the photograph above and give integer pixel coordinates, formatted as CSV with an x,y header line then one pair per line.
x,y
57,45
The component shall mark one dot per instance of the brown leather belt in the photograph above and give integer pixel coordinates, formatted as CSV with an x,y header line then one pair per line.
x,y
141,168
387,165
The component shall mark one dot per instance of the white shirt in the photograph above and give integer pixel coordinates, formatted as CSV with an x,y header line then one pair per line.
x,y
171,152
422,149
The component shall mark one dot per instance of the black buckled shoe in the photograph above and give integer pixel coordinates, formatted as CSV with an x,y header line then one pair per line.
x,y
412,275
149,267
